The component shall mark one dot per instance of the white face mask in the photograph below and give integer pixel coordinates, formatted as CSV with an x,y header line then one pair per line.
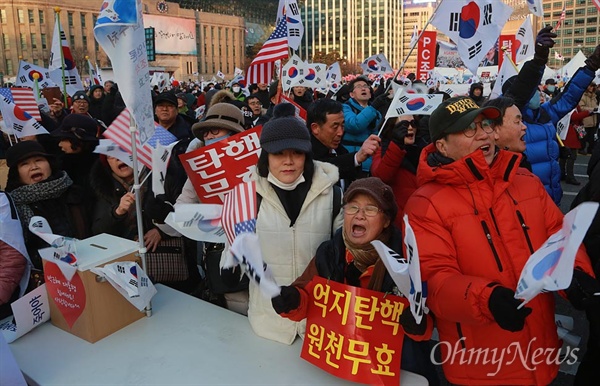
x,y
235,89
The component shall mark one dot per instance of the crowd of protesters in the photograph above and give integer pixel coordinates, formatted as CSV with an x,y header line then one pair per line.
x,y
478,179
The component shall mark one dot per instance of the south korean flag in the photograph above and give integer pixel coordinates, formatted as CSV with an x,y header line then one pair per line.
x,y
474,25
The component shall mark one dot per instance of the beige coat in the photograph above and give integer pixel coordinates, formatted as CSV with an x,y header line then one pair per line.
x,y
588,102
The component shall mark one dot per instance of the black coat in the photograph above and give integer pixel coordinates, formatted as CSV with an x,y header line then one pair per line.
x,y
343,159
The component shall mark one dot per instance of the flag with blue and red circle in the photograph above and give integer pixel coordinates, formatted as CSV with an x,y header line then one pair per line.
x,y
474,25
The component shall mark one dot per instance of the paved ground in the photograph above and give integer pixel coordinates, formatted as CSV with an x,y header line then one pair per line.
x,y
566,375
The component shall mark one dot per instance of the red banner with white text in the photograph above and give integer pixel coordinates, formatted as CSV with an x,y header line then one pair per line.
x,y
426,54
354,333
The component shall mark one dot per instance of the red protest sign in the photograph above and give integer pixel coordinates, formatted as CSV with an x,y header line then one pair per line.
x,y
509,42
354,333
217,168
426,54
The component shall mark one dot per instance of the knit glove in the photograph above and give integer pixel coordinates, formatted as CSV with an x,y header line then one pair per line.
x,y
593,61
410,325
582,289
287,300
399,132
543,42
503,306
381,101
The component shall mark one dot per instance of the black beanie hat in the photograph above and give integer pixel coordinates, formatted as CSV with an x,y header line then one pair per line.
x,y
23,150
284,133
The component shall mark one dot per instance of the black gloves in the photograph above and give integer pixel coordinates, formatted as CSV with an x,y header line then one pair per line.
x,y
381,101
503,306
409,324
543,42
287,300
582,289
399,132
593,61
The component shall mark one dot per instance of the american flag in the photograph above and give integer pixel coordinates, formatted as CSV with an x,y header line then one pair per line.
x,y
239,210
23,97
562,18
275,48
118,131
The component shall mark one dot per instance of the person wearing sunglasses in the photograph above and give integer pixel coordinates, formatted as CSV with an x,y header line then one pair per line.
x,y
477,217
350,258
396,161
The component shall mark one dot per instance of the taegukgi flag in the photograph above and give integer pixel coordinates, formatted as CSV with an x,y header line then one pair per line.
x,y
62,64
293,71
550,268
474,25
314,76
25,76
289,10
333,77
120,31
377,64
17,121
525,40
507,70
413,104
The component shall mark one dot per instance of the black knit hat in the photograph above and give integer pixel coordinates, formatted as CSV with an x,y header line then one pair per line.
x,y
23,150
77,126
455,114
81,95
378,190
285,133
167,96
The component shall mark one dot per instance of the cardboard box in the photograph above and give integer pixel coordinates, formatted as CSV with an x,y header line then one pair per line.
x,y
86,307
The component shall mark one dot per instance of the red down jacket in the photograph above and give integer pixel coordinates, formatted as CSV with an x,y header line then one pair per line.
x,y
476,226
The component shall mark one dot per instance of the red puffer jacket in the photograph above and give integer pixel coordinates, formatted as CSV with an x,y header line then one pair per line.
x,y
476,226
390,169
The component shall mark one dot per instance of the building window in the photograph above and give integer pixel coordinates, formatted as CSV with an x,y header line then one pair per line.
x,y
2,16
96,46
70,18
84,39
36,62
33,41
44,41
83,20
9,66
5,41
20,16
23,40
590,40
41,16
94,19
30,15
72,41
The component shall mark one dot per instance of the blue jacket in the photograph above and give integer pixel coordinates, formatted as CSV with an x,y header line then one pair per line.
x,y
359,123
542,146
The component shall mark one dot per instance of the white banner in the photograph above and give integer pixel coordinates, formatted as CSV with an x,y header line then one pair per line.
x,y
119,30
173,35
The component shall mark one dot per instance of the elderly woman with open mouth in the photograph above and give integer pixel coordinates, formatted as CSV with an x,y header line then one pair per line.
x,y
350,258
39,188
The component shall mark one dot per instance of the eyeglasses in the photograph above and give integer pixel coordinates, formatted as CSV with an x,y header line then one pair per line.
x,y
487,125
359,86
369,210
412,123
213,131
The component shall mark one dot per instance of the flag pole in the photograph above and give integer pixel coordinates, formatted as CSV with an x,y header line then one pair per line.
x,y
62,55
138,201
36,87
412,48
